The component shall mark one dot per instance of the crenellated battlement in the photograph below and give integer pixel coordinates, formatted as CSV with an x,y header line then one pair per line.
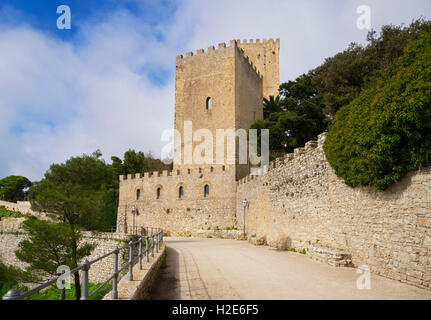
x,y
211,50
297,153
232,44
259,41
183,172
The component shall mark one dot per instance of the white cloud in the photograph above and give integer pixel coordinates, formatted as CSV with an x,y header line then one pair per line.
x,y
67,100
60,99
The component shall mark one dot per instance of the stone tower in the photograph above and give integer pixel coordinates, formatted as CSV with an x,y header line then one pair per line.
x,y
265,56
218,90
222,89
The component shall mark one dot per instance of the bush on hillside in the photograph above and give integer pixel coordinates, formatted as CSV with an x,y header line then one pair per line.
x,y
386,131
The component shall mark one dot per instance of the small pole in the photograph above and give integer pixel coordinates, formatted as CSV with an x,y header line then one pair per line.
x,y
84,286
12,294
114,292
244,204
130,277
160,238
140,253
152,245
147,253
157,242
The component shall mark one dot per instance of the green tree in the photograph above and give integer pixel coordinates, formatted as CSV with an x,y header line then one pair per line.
x,y
12,188
79,192
300,117
8,278
134,162
48,246
137,162
343,77
386,131
274,104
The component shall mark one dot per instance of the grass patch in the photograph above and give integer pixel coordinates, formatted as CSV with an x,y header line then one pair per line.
x,y
54,293
5,213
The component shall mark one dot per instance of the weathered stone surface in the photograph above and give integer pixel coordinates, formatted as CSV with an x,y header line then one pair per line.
x,y
222,234
143,280
303,200
333,257
12,235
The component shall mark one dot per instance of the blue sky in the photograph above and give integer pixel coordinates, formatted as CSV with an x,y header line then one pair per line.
x,y
108,83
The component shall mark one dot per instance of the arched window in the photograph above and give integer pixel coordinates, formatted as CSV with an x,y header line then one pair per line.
x,y
181,192
138,194
206,190
209,103
159,192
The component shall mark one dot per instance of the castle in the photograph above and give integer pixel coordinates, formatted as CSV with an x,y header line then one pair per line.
x,y
298,203
221,89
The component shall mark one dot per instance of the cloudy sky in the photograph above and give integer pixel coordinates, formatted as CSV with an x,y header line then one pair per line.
x,y
108,82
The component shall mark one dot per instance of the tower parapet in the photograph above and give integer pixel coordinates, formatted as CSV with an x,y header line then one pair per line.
x,y
265,55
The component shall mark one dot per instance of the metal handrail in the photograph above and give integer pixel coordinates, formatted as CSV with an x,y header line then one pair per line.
x,y
156,239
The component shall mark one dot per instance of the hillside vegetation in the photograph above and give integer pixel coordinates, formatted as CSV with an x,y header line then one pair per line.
x,y
386,131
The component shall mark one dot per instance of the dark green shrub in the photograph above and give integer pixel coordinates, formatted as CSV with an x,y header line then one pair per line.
x,y
386,131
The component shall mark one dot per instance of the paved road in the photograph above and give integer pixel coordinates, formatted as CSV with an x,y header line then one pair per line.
x,y
233,270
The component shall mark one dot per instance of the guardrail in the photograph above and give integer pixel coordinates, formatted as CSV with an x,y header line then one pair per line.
x,y
146,245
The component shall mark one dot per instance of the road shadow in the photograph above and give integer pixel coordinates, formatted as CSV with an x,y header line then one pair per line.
x,y
167,286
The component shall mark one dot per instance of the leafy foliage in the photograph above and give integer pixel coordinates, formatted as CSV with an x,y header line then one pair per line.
x,y
293,118
386,131
343,77
274,104
53,293
48,244
12,188
8,278
11,276
5,213
78,191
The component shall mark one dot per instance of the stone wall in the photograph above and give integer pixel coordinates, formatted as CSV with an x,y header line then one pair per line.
x,y
11,235
179,216
265,56
25,208
235,86
300,203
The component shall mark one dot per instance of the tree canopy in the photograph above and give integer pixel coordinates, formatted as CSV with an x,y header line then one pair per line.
x,y
13,188
343,77
294,117
386,131
48,246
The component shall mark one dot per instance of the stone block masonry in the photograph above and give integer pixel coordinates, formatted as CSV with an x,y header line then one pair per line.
x,y
159,202
105,242
300,201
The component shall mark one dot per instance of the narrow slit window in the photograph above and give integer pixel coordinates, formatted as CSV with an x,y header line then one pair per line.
x,y
138,194
209,103
159,193
181,192
206,190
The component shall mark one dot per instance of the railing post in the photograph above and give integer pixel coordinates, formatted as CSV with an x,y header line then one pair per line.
x,y
157,243
160,237
12,294
130,277
147,252
140,253
152,245
84,284
114,292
